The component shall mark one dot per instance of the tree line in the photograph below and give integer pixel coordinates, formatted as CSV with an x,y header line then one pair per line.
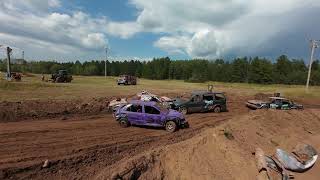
x,y
246,69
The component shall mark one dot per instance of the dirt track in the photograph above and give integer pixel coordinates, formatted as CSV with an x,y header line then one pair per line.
x,y
79,146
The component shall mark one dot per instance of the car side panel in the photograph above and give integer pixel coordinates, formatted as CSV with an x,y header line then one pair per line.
x,y
136,118
153,119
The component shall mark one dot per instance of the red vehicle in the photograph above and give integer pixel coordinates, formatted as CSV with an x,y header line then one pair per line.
x,y
127,80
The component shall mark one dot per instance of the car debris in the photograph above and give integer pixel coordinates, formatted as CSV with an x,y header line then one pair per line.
x,y
274,103
114,104
146,96
152,114
261,165
306,158
46,164
282,162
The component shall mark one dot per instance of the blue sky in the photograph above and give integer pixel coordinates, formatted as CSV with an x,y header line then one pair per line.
x,y
122,10
65,30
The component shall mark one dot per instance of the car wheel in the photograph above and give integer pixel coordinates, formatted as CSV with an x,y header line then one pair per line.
x,y
217,109
171,126
183,110
123,123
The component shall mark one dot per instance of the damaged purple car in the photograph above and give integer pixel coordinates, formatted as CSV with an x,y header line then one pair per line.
x,y
150,114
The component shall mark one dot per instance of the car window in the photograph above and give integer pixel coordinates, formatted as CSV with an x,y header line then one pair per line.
x,y
278,101
151,110
285,102
135,108
207,98
195,98
219,96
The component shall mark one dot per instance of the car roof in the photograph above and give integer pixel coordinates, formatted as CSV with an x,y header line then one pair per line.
x,y
205,93
146,103
280,98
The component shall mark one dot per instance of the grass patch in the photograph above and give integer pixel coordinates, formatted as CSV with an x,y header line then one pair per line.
x,y
31,87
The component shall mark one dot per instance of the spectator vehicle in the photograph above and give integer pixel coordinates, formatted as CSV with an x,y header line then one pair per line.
x,y
127,80
150,114
61,77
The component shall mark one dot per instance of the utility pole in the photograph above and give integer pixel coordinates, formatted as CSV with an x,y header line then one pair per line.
x,y
105,63
9,50
313,46
22,55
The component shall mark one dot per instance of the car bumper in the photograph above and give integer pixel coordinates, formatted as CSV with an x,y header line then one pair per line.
x,y
184,124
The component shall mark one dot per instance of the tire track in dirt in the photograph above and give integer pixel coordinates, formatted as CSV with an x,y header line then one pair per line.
x,y
101,142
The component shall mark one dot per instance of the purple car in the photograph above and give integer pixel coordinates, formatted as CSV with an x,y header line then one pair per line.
x,y
150,114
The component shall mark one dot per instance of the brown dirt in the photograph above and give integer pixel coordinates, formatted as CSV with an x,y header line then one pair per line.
x,y
35,109
211,155
81,146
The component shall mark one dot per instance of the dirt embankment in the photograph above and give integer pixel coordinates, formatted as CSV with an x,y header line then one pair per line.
x,y
210,155
35,109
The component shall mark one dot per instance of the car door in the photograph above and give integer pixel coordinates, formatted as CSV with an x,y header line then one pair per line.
x,y
220,99
152,116
195,104
135,114
208,102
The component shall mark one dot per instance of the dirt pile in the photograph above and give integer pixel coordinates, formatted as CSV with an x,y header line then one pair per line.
x,y
34,109
211,155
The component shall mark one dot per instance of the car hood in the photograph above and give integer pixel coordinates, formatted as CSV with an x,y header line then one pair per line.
x,y
178,101
175,114
257,102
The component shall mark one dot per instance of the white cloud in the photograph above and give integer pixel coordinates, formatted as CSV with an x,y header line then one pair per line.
x,y
123,29
54,3
58,33
202,28
174,44
214,28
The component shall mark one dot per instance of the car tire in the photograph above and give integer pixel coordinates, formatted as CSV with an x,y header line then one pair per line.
x,y
124,123
171,126
217,109
183,110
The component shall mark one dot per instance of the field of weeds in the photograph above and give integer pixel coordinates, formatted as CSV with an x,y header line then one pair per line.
x,y
31,87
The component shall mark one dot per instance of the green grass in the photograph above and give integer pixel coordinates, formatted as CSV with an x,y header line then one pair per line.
x,y
93,86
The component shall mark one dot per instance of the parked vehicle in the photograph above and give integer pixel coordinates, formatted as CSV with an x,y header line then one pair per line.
x,y
16,76
127,80
150,114
61,76
274,103
201,101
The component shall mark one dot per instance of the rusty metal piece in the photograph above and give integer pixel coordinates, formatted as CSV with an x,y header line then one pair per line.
x,y
261,165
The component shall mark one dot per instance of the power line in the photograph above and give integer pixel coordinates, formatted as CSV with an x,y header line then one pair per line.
x,y
105,63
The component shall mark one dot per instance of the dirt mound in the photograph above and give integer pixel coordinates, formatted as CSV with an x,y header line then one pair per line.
x,y
211,155
34,109
262,96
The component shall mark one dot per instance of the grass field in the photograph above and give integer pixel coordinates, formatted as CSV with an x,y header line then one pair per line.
x,y
93,86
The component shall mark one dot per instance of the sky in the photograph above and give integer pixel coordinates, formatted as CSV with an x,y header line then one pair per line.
x,y
69,30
